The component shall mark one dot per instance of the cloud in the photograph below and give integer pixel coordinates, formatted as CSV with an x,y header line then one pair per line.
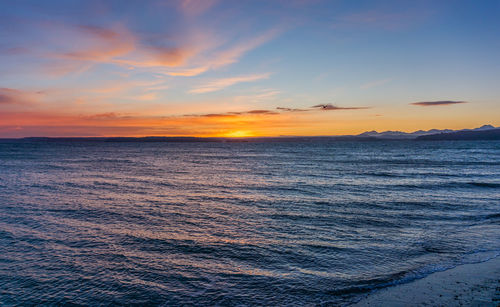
x,y
278,110
64,122
219,84
329,106
9,96
264,95
189,72
117,46
153,56
168,56
187,45
235,114
232,54
97,44
291,109
195,53
436,103
261,112
145,97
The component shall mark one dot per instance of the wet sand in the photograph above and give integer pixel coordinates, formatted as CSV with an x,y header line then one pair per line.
x,y
465,285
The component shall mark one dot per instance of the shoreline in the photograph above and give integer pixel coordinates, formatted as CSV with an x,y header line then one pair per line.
x,y
475,284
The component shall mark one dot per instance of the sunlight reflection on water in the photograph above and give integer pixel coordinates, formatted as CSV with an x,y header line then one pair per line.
x,y
252,223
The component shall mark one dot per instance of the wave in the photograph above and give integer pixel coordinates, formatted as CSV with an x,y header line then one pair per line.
x,y
384,174
485,184
447,184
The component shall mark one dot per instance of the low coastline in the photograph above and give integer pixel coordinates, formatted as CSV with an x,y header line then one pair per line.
x,y
476,284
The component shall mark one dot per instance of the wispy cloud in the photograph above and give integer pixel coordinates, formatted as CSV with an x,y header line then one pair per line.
x,y
204,59
234,53
189,72
190,54
153,56
10,96
97,44
219,84
176,50
235,114
436,103
278,110
264,95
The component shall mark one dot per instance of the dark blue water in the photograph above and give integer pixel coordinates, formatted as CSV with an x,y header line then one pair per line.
x,y
238,223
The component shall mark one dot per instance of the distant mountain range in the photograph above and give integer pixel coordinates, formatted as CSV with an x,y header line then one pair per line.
x,y
483,132
488,134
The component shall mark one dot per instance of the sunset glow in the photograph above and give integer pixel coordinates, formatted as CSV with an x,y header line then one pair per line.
x,y
239,69
249,152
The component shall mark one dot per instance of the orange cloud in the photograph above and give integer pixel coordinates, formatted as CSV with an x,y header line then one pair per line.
x,y
99,44
219,84
189,72
252,122
147,56
188,53
196,55
118,46
172,56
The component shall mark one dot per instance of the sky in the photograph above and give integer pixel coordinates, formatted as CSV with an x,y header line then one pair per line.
x,y
246,68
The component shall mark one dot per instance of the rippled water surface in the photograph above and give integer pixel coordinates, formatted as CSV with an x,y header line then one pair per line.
x,y
238,223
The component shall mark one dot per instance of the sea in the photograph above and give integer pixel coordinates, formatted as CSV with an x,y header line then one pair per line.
x,y
304,223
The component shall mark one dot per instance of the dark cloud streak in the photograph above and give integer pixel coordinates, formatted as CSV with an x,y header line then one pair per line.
x,y
331,107
436,103
291,109
278,110
233,114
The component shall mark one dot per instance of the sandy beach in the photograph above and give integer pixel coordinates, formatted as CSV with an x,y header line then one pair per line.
x,y
465,285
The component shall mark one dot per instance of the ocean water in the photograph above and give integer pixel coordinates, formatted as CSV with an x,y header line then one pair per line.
x,y
291,223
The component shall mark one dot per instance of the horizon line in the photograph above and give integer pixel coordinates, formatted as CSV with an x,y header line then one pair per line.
x,y
240,137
